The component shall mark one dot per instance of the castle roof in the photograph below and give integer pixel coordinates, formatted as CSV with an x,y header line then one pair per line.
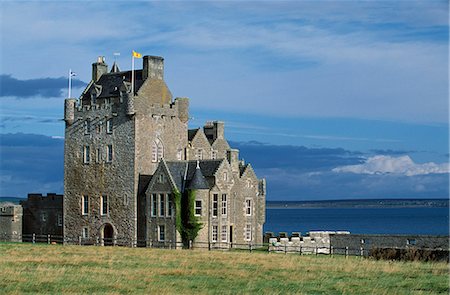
x,y
115,68
111,82
185,174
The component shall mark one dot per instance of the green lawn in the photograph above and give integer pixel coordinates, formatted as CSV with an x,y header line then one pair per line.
x,y
76,269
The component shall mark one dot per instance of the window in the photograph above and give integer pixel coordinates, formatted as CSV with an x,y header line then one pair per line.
x,y
161,233
365,241
99,127
249,183
248,232
198,208
180,154
109,126
199,154
154,204
157,151
87,126
214,233
126,200
59,220
161,178
86,154
248,207
109,153
98,155
225,176
169,206
44,216
162,203
215,205
213,154
85,233
104,205
223,233
85,205
224,204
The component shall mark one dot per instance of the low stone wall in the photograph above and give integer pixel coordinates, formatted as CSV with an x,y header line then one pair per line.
x,y
317,242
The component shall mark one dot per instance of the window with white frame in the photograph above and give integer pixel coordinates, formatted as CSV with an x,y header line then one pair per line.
x,y
157,150
154,204
223,234
224,204
199,154
180,154
85,232
215,205
248,207
169,206
161,233
109,126
104,206
214,233
248,232
86,154
198,208
109,153
249,183
85,205
87,126
98,155
225,176
162,205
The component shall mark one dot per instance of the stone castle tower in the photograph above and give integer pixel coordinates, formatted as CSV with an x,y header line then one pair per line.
x,y
115,140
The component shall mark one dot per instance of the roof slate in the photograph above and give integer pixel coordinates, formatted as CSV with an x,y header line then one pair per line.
x,y
111,83
178,170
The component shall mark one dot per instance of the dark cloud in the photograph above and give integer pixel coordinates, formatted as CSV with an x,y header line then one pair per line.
x,y
30,163
42,87
262,155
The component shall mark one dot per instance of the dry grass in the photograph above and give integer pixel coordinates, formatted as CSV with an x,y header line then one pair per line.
x,y
75,269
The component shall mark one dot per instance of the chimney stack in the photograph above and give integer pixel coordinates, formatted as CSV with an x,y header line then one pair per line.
x,y
153,67
99,68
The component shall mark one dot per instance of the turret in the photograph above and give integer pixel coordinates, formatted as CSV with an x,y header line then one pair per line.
x,y
99,68
69,110
153,67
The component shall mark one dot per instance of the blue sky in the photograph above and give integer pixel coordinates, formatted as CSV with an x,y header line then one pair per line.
x,y
355,93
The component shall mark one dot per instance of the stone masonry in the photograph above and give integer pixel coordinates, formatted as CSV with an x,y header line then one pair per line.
x,y
116,141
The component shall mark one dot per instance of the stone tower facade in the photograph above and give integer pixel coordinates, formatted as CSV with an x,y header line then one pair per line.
x,y
115,140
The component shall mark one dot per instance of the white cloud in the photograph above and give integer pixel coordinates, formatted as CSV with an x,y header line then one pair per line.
x,y
403,165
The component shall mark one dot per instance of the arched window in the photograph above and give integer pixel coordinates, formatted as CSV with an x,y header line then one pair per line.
x,y
157,150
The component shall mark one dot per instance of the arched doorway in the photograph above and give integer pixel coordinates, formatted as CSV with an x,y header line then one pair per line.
x,y
108,235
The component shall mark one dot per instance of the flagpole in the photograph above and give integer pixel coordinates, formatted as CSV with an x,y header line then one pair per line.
x,y
70,82
132,75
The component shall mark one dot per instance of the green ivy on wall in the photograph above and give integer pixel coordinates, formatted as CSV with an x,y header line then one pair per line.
x,y
187,223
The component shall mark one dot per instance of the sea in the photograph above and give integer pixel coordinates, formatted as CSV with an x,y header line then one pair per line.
x,y
398,220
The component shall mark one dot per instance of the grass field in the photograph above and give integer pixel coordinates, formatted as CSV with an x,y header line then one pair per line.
x,y
76,269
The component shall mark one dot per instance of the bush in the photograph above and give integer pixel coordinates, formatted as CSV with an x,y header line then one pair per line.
x,y
410,254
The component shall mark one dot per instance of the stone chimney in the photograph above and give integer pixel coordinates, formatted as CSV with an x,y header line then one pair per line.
x,y
99,68
153,67
214,130
233,159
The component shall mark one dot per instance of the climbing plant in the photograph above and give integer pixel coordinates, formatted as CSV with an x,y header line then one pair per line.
x,y
186,222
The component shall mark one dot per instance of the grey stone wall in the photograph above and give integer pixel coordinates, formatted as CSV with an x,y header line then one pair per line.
x,y
114,179
43,215
10,223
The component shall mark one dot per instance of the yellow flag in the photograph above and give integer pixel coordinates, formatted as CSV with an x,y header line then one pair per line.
x,y
137,54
